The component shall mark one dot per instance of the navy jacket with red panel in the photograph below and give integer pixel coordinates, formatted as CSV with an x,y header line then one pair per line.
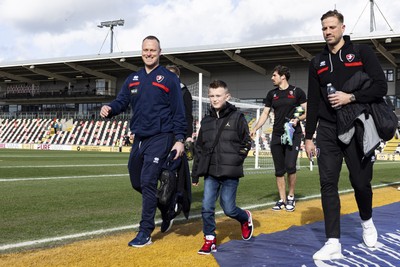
x,y
156,103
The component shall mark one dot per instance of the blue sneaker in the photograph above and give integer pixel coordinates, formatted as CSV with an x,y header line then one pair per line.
x,y
140,240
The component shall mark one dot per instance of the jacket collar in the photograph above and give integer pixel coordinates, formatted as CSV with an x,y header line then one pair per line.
x,y
347,43
225,110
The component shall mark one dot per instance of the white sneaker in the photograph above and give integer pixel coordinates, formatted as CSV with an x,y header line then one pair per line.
x,y
330,251
370,235
290,203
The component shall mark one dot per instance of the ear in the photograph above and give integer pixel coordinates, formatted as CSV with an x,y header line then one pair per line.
x,y
228,96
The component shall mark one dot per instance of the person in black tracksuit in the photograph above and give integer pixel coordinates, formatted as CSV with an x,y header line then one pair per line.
x,y
336,64
187,101
226,164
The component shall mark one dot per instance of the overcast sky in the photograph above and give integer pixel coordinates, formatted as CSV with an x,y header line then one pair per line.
x,y
41,29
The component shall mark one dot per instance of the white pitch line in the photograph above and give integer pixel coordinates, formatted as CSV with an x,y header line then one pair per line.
x,y
135,226
66,237
60,177
61,166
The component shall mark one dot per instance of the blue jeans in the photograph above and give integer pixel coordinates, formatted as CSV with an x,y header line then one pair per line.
x,y
226,188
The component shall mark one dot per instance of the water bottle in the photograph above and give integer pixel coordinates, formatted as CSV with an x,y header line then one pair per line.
x,y
331,90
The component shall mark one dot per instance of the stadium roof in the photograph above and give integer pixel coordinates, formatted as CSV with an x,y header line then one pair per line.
x,y
257,56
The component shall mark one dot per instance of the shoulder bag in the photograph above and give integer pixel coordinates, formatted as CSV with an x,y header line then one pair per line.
x,y
205,153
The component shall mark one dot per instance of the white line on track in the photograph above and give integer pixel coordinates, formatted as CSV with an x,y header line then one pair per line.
x,y
60,177
135,226
60,166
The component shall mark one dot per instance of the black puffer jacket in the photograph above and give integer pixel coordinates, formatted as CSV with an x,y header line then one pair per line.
x,y
232,147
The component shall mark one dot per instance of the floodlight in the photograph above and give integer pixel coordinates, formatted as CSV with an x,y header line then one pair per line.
x,y
111,24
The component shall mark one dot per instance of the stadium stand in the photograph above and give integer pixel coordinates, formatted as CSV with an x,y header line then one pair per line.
x,y
83,132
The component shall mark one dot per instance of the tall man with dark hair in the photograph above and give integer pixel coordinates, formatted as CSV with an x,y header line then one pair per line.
x,y
159,125
338,62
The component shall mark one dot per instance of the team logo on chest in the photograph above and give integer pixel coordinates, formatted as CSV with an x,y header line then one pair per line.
x,y
276,97
159,78
350,57
291,94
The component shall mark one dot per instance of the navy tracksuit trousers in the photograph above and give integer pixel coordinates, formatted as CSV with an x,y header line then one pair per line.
x,y
330,152
145,164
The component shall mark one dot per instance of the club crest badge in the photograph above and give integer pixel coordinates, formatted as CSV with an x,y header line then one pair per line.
x,y
350,57
159,78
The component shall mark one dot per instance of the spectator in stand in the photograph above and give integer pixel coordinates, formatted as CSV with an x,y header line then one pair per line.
x,y
159,125
55,125
127,142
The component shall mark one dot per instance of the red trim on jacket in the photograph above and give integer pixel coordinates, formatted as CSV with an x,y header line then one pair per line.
x,y
353,64
134,84
163,87
322,70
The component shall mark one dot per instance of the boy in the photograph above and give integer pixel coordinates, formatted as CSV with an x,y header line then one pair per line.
x,y
226,164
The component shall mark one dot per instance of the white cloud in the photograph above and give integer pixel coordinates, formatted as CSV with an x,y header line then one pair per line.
x,y
48,28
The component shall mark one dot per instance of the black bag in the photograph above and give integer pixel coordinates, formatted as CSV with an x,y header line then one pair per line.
x,y
204,159
385,119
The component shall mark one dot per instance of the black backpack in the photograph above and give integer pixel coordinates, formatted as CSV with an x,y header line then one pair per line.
x,y
385,119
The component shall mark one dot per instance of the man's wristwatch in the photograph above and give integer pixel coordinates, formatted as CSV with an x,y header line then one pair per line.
x,y
352,98
180,140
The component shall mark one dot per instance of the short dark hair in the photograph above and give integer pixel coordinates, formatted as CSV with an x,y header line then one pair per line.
x,y
152,37
282,70
218,83
333,13
174,69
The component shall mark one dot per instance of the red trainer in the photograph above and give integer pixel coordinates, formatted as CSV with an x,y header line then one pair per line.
x,y
210,245
247,227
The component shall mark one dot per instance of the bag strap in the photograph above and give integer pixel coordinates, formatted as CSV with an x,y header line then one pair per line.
x,y
220,131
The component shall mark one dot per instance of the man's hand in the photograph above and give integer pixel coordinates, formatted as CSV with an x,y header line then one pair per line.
x,y
180,149
294,121
105,110
253,133
310,148
339,99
